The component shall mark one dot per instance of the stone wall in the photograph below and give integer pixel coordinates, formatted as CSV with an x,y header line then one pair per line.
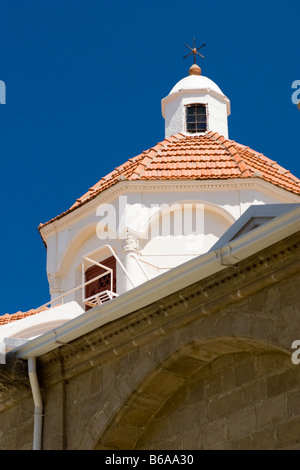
x,y
239,401
206,368
16,426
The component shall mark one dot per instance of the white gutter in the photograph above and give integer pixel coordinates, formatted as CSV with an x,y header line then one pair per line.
x,y
168,283
38,404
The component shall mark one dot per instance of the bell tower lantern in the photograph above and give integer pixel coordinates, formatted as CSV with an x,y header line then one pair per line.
x,y
195,105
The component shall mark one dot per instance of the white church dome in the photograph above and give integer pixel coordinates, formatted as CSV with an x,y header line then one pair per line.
x,y
195,82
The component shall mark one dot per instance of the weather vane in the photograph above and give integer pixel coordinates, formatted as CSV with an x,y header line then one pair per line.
x,y
194,51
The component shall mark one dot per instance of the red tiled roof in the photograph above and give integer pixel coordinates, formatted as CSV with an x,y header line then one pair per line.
x,y
9,318
209,156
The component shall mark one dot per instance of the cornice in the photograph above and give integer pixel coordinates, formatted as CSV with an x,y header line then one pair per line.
x,y
148,186
203,298
171,282
195,92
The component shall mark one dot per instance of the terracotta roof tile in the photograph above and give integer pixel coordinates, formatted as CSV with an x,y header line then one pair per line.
x,y
9,318
209,156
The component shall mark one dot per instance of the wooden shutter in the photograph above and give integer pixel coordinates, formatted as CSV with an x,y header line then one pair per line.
x,y
103,283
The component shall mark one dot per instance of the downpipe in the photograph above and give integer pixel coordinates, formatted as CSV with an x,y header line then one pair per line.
x,y
38,404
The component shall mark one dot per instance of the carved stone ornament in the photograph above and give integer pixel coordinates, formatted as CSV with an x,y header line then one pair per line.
x,y
130,243
54,283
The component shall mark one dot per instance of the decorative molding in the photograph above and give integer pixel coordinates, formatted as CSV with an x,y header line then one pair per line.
x,y
130,243
130,187
195,91
206,296
55,283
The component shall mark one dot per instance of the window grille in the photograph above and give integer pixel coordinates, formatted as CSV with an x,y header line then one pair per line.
x,y
196,120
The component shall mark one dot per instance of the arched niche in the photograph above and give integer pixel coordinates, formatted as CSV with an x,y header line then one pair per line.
x,y
180,231
85,241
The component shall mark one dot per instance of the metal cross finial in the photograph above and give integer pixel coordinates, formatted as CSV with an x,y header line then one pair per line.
x,y
194,51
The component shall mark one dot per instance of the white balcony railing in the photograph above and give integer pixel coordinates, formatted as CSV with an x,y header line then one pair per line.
x,y
101,296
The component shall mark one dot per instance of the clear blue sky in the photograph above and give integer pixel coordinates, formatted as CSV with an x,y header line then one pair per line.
x,y
84,82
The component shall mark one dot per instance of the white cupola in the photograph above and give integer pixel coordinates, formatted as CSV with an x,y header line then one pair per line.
x,y
195,105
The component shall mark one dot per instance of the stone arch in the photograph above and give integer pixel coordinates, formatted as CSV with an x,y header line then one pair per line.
x,y
262,325
74,245
183,373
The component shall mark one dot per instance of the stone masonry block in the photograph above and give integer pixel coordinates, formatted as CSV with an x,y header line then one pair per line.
x,y
240,423
225,404
271,411
288,433
213,384
214,433
293,403
244,372
286,380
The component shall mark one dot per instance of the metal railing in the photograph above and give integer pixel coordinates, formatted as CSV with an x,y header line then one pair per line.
x,y
101,296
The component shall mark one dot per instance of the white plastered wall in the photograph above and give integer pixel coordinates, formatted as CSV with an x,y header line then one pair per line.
x,y
220,205
175,113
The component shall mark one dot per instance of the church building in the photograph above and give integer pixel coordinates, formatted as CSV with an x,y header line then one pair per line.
x,y
173,301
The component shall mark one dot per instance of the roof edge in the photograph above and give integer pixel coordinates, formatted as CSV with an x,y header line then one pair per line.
x,y
177,278
147,157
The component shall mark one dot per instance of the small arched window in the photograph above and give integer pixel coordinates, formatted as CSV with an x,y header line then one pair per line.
x,y
196,118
